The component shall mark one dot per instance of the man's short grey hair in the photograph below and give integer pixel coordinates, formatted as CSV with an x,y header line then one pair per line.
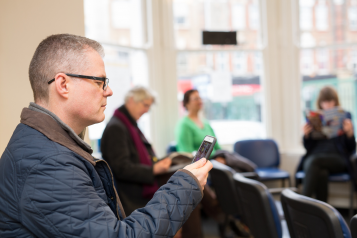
x,y
62,53
140,93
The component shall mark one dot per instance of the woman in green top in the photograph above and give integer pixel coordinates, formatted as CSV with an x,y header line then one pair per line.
x,y
191,130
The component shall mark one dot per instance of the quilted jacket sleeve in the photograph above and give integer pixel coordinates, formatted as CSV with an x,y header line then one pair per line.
x,y
59,200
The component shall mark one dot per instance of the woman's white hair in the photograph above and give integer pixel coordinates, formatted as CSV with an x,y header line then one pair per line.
x,y
140,93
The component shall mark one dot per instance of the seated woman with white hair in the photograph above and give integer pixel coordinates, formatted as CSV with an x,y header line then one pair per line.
x,y
129,154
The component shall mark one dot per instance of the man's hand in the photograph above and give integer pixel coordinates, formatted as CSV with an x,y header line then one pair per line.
x,y
348,127
200,169
221,160
307,129
162,166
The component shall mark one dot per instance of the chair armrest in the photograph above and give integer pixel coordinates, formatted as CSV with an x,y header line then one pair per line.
x,y
280,190
251,175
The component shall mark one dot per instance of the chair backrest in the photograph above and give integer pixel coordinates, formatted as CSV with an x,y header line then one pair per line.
x,y
223,184
310,218
172,147
264,153
259,209
353,226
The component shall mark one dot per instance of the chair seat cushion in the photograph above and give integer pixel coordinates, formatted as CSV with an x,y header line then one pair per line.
x,y
339,177
272,173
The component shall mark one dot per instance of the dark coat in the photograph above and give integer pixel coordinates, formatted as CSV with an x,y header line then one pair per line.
x,y
344,145
119,151
52,187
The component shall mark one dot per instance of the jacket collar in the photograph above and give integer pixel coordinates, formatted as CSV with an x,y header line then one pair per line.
x,y
52,129
77,138
125,111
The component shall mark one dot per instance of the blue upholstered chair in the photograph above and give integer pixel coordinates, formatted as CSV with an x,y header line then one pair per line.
x,y
265,154
172,147
311,218
221,177
259,210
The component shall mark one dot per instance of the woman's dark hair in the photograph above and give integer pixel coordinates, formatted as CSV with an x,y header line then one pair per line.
x,y
327,93
186,97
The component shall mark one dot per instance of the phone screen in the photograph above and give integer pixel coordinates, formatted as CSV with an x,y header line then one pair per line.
x,y
204,149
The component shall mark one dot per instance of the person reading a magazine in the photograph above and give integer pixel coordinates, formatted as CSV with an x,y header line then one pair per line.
x,y
329,142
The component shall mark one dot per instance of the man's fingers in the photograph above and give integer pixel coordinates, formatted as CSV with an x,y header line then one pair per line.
x,y
204,182
207,167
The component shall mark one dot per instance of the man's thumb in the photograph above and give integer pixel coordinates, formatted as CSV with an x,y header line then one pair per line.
x,y
197,164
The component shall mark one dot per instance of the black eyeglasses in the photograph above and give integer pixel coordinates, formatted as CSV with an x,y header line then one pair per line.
x,y
104,80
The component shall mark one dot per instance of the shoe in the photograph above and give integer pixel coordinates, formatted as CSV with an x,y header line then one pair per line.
x,y
239,228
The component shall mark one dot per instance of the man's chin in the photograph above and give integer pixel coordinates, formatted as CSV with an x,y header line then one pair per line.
x,y
97,120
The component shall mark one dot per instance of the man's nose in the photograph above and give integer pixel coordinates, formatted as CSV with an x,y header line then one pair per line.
x,y
108,92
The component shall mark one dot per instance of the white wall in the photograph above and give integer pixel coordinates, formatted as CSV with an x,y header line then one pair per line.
x,y
23,24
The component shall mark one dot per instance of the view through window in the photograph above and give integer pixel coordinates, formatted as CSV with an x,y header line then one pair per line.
x,y
328,56
227,77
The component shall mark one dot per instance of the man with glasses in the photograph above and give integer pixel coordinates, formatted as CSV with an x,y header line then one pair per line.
x,y
50,185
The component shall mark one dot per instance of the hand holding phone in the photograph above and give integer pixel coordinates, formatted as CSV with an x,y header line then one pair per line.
x,y
200,167
205,149
200,170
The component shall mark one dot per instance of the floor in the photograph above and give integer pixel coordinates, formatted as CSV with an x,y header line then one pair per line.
x,y
210,228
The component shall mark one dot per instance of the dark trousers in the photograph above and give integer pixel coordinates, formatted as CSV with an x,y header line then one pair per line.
x,y
192,227
317,168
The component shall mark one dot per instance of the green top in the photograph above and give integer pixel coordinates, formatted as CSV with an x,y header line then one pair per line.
x,y
189,136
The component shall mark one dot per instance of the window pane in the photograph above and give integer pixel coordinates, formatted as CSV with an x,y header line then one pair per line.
x,y
191,17
120,22
230,86
337,68
326,22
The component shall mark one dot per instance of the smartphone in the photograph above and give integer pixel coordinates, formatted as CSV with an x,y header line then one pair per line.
x,y
205,149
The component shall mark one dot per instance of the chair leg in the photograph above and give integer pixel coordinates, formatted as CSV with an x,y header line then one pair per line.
x,y
289,182
351,200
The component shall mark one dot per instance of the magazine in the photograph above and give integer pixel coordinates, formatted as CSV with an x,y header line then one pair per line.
x,y
326,124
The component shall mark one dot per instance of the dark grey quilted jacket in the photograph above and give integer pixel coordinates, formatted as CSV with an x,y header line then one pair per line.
x,y
52,187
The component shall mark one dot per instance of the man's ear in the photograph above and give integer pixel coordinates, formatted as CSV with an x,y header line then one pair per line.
x,y
62,84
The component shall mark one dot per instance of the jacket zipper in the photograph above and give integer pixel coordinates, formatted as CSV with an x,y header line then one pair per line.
x,y
116,194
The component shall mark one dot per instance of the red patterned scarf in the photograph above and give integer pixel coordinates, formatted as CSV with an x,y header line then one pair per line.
x,y
144,156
